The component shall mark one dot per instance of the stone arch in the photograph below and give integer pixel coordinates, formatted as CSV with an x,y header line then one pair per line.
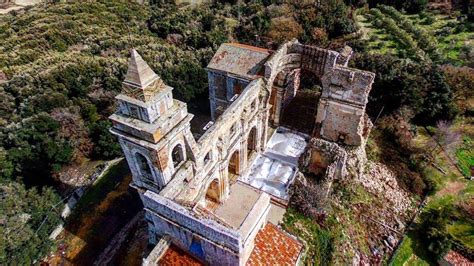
x,y
252,141
214,191
282,72
234,166
144,166
196,248
177,154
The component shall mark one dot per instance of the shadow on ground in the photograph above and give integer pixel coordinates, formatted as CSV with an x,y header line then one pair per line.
x,y
104,210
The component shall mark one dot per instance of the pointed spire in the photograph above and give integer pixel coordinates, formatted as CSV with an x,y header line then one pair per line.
x,y
139,74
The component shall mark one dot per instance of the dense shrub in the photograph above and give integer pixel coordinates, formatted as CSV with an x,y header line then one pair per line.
x,y
399,82
283,29
411,6
35,149
434,235
24,230
461,81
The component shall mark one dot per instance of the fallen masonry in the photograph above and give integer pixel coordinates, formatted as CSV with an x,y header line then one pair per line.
x,y
214,196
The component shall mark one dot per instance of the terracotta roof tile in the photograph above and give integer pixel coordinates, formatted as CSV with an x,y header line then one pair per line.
x,y
274,247
175,256
454,258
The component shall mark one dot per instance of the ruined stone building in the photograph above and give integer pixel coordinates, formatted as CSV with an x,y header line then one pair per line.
x,y
216,196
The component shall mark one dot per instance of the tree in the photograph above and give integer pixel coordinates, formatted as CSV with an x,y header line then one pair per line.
x,y
26,220
6,167
105,144
35,149
447,136
72,127
284,29
411,6
433,231
438,98
461,81
399,82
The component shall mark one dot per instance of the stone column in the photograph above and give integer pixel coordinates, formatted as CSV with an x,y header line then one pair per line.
x,y
278,101
223,182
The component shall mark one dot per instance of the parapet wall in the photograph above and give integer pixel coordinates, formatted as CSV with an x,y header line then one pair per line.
x,y
182,218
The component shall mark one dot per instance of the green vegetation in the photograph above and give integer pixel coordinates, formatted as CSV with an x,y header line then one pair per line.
x,y
318,241
420,86
412,6
404,254
27,218
425,36
446,222
465,156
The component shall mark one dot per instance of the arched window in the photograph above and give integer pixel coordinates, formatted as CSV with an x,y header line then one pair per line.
x,y
177,155
207,158
212,194
252,141
143,166
234,166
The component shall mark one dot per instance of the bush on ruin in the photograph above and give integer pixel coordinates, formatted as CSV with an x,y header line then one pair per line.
x,y
309,198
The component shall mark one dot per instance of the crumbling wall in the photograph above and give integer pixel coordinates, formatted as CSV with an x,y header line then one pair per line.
x,y
326,161
341,110
321,164
345,54
314,59
324,158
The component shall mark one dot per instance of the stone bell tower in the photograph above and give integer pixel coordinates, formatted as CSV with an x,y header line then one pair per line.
x,y
153,128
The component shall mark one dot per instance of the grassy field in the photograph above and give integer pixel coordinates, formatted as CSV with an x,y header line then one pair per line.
x,y
379,41
454,39
452,189
451,42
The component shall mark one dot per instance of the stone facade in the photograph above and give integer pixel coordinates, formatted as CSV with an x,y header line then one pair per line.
x,y
185,183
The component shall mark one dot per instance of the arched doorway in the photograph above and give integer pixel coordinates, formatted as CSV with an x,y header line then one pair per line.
x,y
177,155
234,166
143,166
283,90
252,142
213,195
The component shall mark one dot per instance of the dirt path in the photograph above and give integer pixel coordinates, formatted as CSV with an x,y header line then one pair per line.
x,y
452,188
